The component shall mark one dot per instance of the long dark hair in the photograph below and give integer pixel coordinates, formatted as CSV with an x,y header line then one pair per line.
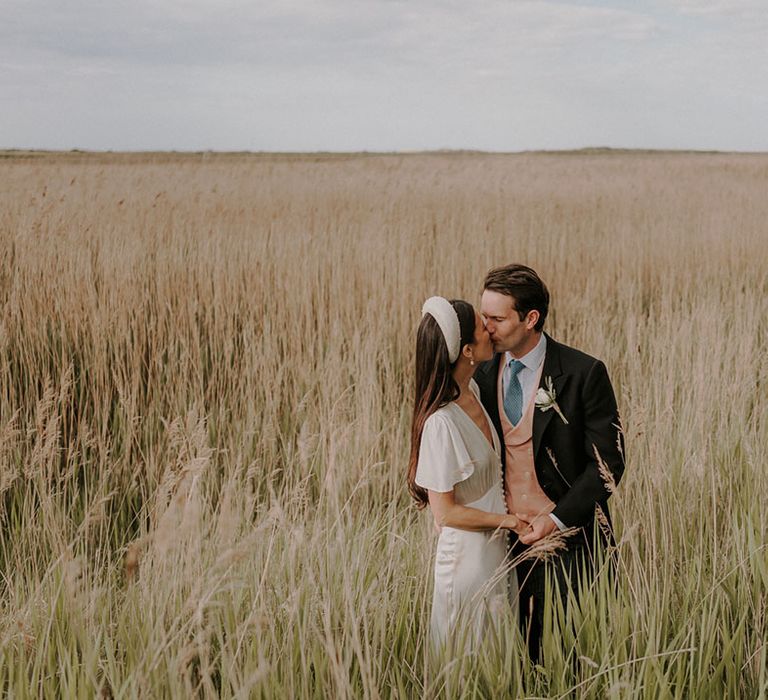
x,y
435,385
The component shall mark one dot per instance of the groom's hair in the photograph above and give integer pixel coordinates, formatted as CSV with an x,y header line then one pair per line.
x,y
524,286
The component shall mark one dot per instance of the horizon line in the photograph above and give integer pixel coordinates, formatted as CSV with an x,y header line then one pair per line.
x,y
585,150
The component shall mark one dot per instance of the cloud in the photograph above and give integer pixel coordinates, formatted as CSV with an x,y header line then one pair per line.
x,y
268,33
734,19
734,8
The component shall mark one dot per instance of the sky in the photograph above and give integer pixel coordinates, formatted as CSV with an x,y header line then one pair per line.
x,y
383,75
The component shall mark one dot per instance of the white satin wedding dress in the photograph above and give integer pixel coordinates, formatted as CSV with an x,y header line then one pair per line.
x,y
472,586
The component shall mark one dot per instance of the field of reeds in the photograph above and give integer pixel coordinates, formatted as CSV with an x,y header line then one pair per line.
x,y
205,394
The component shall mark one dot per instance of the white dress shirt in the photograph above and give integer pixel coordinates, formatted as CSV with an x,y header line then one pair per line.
x,y
527,376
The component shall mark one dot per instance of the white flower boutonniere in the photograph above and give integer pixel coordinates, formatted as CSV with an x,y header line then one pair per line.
x,y
545,399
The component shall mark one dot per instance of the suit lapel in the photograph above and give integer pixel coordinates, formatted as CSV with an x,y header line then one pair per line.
x,y
552,368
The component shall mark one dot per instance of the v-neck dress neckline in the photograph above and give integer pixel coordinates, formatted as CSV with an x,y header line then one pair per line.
x,y
492,444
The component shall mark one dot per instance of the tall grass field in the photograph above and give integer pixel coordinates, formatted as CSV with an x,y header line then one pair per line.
x,y
206,367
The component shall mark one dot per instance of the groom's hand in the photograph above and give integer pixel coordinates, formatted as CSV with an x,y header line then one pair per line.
x,y
524,524
540,527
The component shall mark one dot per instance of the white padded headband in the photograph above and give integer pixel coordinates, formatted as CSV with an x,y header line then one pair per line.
x,y
441,310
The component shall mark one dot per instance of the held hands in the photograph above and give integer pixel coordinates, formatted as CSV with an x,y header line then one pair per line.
x,y
531,531
517,524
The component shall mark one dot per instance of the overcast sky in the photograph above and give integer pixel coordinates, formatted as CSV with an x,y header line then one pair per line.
x,y
383,74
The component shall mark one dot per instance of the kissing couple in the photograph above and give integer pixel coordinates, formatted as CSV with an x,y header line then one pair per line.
x,y
514,437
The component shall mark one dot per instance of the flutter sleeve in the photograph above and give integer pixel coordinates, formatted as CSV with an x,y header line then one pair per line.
x,y
443,457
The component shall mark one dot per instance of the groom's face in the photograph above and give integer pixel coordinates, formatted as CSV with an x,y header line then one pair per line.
x,y
508,332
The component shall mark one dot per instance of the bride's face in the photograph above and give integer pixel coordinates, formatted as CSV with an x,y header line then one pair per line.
x,y
482,348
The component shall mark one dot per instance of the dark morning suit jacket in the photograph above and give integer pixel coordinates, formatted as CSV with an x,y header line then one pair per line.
x,y
564,455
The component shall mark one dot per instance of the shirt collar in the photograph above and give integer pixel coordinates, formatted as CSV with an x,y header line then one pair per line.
x,y
534,358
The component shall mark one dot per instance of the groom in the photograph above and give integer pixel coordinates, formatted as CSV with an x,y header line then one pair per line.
x,y
553,478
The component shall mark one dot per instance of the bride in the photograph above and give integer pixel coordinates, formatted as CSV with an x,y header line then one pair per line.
x,y
455,468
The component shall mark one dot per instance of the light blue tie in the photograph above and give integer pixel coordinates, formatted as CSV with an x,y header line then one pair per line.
x,y
513,396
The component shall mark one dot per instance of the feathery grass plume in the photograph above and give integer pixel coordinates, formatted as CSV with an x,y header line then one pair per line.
x,y
551,454
602,521
178,504
45,435
620,435
604,471
545,548
9,435
610,484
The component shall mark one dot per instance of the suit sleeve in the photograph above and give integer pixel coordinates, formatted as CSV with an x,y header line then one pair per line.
x,y
603,442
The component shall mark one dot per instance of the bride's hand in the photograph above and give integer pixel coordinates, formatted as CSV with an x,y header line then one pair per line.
x,y
523,524
516,524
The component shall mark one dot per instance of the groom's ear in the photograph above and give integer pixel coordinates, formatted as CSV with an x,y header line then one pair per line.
x,y
532,319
